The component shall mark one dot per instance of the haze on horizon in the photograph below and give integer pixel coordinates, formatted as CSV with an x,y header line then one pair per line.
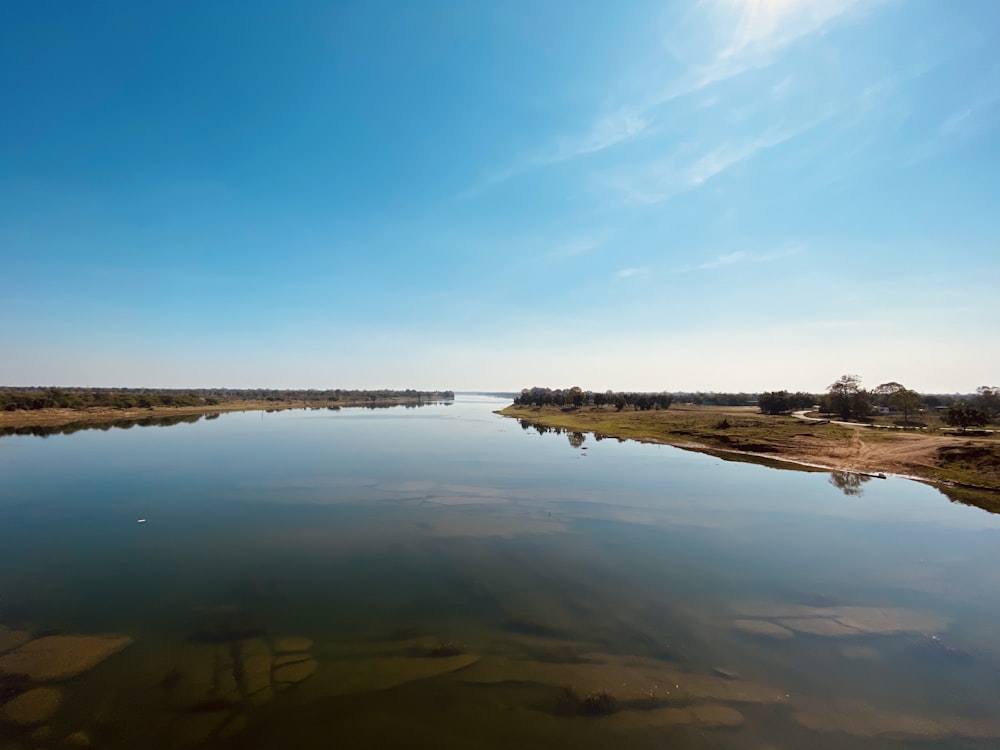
x,y
712,195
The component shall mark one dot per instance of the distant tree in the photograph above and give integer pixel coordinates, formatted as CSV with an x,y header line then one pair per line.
x,y
987,400
801,400
932,402
664,400
774,402
882,392
900,398
846,398
964,416
906,401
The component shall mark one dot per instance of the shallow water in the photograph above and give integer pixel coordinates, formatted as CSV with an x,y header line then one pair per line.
x,y
467,582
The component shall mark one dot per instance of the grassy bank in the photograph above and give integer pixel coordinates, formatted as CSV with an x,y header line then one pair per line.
x,y
101,415
957,459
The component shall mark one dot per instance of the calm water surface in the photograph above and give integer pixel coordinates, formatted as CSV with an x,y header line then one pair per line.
x,y
456,580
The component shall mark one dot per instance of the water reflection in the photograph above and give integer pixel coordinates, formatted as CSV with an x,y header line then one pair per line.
x,y
408,580
849,482
576,439
405,405
977,498
118,424
174,419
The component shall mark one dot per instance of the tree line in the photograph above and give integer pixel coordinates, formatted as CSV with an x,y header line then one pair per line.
x,y
578,397
782,402
15,398
847,399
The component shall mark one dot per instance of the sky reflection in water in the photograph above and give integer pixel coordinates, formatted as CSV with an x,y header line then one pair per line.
x,y
378,534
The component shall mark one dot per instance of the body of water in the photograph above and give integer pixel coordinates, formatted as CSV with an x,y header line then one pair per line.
x,y
444,577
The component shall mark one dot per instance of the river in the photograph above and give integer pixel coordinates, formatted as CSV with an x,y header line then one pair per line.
x,y
444,577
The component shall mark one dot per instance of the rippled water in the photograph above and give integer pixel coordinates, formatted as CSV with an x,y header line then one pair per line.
x,y
454,580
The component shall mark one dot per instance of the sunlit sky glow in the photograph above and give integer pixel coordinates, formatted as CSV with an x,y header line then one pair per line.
x,y
716,195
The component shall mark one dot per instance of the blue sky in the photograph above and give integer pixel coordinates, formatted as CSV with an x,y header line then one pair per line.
x,y
660,196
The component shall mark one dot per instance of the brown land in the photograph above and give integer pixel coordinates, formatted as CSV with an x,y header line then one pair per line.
x,y
947,459
103,415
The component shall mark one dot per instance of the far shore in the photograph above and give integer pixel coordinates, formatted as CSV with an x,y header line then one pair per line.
x,y
102,415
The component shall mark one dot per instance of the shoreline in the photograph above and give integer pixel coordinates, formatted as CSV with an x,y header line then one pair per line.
x,y
912,456
101,415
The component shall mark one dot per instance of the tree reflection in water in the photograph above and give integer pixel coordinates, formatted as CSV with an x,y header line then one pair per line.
x,y
848,482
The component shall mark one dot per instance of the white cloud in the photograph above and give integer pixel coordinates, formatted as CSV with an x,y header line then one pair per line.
x,y
723,260
959,128
742,35
607,132
731,37
970,121
780,88
718,160
679,173
765,26
626,273
742,256
575,247
957,122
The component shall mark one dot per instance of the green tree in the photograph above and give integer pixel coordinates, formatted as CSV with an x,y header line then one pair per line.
x,y
774,402
964,416
905,400
846,398
882,392
987,400
897,396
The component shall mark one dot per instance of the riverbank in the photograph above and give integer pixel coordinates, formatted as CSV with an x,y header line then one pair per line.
x,y
944,459
22,418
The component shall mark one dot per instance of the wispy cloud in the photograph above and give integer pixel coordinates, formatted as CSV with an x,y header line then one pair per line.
x,y
742,257
972,120
958,122
960,127
627,273
575,247
768,25
780,88
731,38
687,169
607,132
722,260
